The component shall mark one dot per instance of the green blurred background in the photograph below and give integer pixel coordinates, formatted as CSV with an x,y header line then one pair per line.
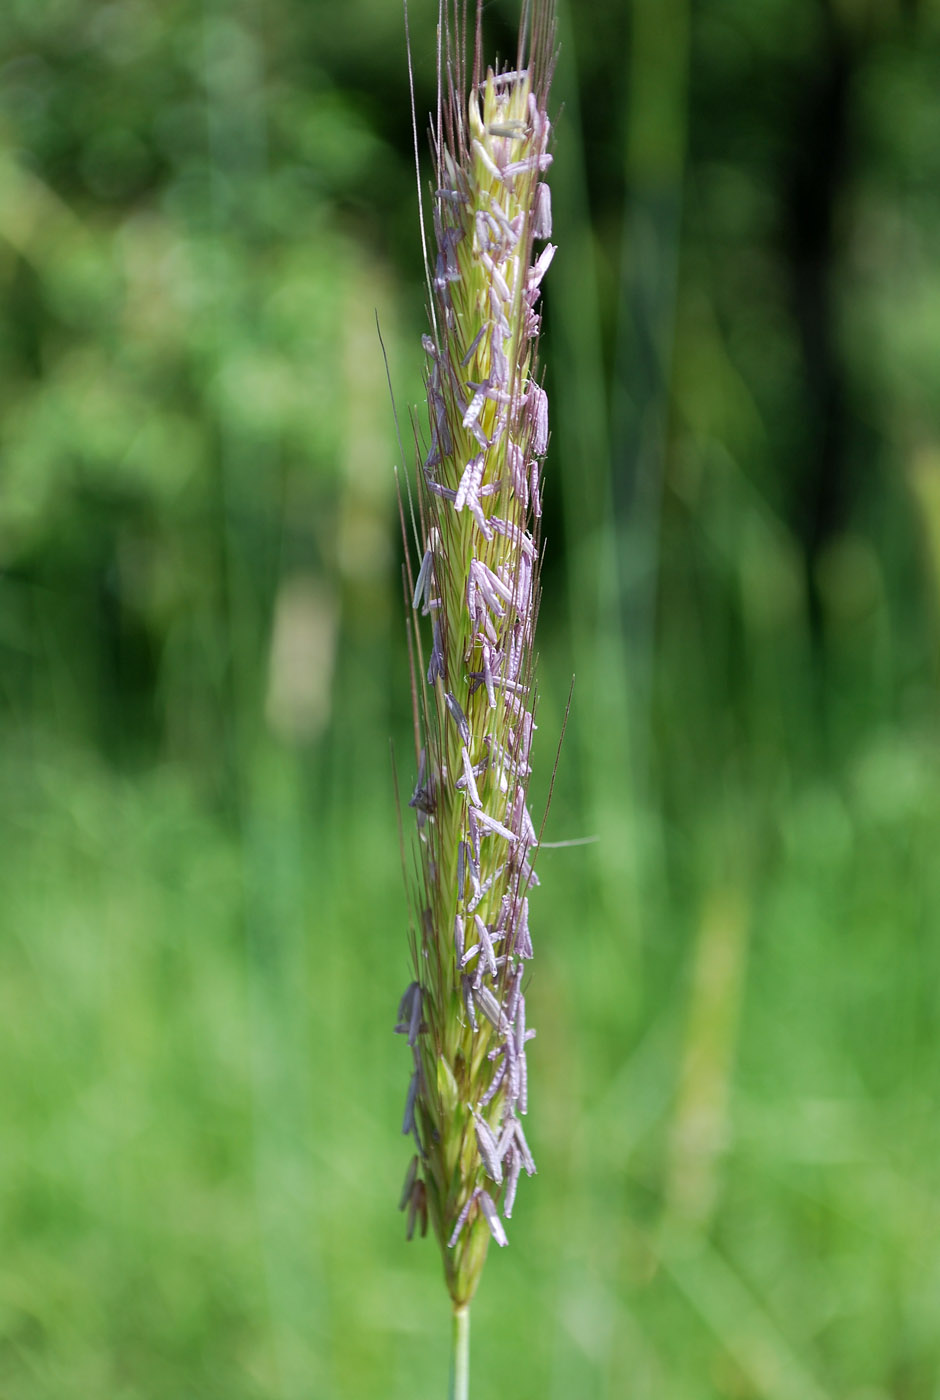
x,y
203,928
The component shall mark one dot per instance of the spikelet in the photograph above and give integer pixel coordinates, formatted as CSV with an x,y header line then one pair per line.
x,y
475,600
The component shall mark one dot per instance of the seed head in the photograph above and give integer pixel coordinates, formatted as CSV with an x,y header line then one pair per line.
x,y
480,502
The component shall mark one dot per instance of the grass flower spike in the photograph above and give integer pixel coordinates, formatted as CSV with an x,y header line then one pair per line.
x,y
475,600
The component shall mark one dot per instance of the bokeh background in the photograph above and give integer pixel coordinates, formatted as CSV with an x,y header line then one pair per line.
x,y
203,208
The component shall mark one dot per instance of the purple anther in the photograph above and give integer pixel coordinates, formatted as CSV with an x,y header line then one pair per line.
x,y
490,1007
495,1085
410,1176
537,415
512,1181
468,781
459,718
542,219
473,345
485,888
462,1217
466,987
491,824
469,487
515,995
541,265
488,957
499,365
534,493
408,1122
492,1219
436,659
414,1022
527,1158
488,1150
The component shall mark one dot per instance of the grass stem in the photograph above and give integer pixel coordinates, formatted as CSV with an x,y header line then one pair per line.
x,y
460,1372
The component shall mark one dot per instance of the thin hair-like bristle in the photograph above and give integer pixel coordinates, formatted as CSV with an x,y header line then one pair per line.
x,y
417,154
401,446
477,46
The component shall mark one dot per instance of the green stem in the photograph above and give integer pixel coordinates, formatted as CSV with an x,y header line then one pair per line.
x,y
460,1371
